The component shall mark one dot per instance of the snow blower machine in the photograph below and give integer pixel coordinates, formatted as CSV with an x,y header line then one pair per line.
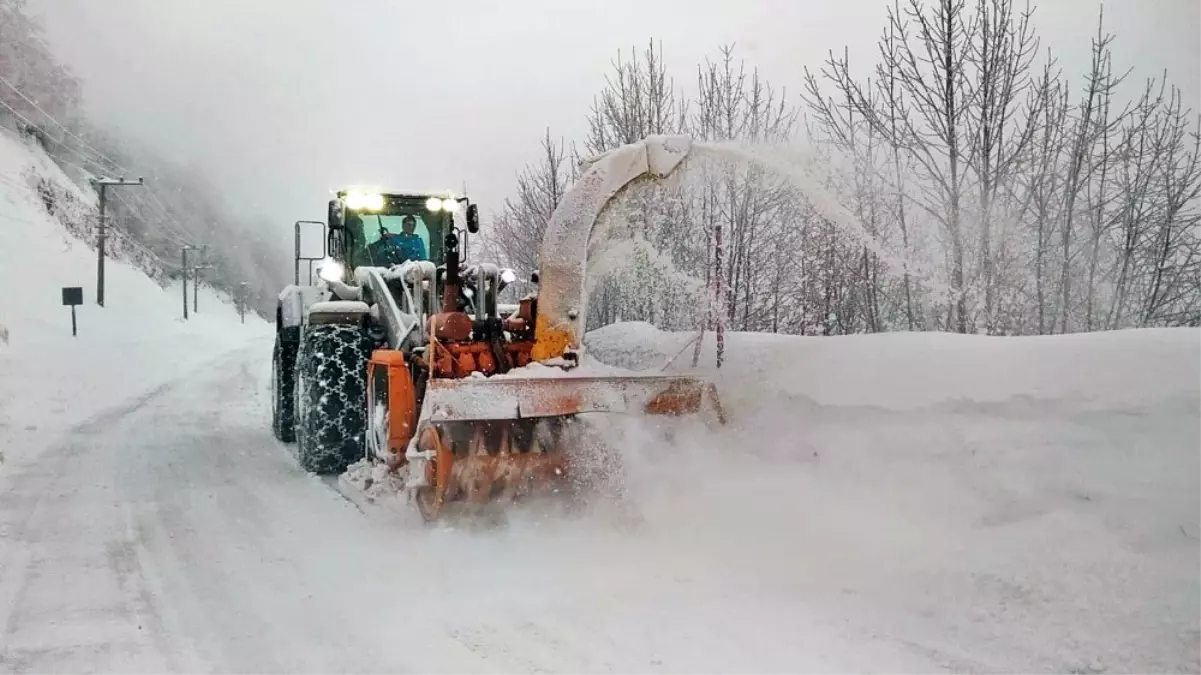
x,y
398,353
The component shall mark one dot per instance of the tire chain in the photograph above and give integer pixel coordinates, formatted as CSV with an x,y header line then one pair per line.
x,y
333,361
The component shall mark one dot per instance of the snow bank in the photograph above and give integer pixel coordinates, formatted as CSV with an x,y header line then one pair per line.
x,y
137,342
908,371
999,504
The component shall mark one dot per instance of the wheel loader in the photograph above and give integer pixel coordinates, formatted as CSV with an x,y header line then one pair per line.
x,y
399,352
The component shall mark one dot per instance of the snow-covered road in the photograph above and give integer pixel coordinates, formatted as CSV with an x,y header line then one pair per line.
x,y
172,533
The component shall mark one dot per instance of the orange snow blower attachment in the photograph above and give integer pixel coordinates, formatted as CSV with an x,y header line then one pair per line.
x,y
486,406
493,440
484,438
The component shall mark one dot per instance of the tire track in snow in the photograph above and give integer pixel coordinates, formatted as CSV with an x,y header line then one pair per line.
x,y
72,592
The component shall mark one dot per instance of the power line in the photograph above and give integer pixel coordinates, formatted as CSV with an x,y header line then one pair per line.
x,y
163,211
60,125
77,153
60,161
156,203
167,223
131,240
173,230
5,180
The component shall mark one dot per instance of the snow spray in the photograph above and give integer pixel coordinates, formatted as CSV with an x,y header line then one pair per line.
x,y
802,170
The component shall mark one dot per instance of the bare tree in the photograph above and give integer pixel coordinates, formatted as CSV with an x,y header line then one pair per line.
x,y
1174,258
1000,127
739,207
928,57
1092,123
1051,205
1038,188
516,231
638,100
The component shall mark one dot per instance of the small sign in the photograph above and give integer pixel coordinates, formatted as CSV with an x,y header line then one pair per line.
x,y
72,295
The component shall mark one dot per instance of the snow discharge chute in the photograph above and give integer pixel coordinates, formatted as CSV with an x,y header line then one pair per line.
x,y
562,297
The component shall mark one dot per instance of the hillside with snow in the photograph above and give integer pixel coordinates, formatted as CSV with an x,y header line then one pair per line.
x,y
133,344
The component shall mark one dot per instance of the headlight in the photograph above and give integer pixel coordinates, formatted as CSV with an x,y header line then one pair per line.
x,y
438,204
508,276
331,270
361,201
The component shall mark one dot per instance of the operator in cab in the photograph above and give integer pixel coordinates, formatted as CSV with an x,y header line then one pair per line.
x,y
394,249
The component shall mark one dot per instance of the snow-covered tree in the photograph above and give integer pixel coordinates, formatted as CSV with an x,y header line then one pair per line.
x,y
1028,201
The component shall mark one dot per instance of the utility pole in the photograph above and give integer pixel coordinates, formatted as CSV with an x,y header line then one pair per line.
x,y
196,285
104,184
184,267
242,293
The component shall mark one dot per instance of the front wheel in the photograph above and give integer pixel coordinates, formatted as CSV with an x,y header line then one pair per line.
x,y
331,397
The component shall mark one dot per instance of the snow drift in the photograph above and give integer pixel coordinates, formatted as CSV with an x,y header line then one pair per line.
x,y
886,503
1004,503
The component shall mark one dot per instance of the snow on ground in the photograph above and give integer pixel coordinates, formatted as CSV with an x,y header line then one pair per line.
x,y
903,502
137,342
841,524
1014,504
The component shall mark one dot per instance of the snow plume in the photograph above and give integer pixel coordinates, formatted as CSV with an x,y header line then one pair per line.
x,y
807,174
785,244
647,275
623,253
642,257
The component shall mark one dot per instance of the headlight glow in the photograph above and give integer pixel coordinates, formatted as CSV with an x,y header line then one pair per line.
x,y
373,202
365,201
331,270
450,204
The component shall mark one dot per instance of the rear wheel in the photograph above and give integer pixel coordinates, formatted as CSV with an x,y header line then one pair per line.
x,y
331,402
283,385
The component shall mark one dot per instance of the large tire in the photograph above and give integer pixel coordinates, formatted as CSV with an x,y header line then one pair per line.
x,y
283,384
331,393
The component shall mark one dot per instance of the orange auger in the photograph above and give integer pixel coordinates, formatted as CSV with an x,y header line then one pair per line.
x,y
483,441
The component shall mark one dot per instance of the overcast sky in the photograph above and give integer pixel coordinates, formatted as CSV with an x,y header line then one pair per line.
x,y
284,100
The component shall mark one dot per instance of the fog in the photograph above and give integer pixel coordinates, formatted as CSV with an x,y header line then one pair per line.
x,y
282,101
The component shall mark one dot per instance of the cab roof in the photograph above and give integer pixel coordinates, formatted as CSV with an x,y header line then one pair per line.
x,y
399,194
